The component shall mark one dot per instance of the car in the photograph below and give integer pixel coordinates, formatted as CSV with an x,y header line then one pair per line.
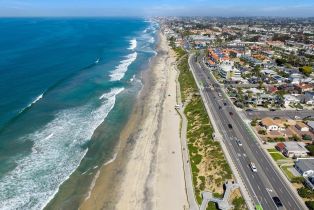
x,y
239,142
230,126
253,167
219,107
231,113
277,201
249,110
225,104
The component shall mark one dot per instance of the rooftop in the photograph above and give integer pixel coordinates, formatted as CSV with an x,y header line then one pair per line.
x,y
305,164
295,146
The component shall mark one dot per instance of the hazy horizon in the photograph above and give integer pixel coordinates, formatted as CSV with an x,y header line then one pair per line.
x,y
140,8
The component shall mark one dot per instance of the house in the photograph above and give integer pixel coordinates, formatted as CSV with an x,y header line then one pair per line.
x,y
269,124
302,127
268,72
294,149
301,88
272,125
310,124
305,166
261,99
290,99
309,98
280,147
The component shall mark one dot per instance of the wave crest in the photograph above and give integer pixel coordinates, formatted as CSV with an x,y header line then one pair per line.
x,y
133,44
57,151
122,68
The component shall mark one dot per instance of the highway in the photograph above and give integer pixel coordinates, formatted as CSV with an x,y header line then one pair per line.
x,y
266,182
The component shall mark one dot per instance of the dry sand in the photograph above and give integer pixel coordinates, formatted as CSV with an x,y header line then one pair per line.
x,y
148,171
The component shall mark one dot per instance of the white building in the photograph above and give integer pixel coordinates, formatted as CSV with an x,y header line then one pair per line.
x,y
290,99
295,149
228,71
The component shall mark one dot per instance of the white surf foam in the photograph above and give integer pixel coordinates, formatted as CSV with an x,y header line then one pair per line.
x,y
33,102
152,40
120,70
37,177
133,44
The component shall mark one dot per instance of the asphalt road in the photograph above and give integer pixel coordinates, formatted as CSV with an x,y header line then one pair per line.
x,y
280,113
266,182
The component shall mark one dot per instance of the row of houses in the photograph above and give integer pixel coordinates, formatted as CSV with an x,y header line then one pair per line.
x,y
271,124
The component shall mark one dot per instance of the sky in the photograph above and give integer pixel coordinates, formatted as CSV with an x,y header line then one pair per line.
x,y
296,8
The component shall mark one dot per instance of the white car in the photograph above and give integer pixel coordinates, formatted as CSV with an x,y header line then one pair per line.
x,y
239,142
253,167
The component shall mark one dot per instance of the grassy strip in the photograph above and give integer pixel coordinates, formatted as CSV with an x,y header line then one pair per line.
x,y
212,206
239,203
272,150
186,80
287,172
209,166
277,156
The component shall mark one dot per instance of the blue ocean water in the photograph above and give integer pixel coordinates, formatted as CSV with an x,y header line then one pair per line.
x,y
59,80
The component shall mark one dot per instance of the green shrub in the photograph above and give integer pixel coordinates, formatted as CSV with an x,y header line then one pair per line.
x,y
305,192
310,204
311,149
239,203
262,132
299,179
306,137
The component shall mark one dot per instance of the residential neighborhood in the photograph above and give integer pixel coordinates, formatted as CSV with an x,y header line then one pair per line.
x,y
264,68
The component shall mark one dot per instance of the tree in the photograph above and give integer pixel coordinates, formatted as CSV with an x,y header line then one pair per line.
x,y
306,137
280,62
294,138
305,192
311,149
306,70
254,122
262,132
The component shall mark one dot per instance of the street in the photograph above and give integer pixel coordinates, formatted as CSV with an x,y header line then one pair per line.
x,y
293,114
266,182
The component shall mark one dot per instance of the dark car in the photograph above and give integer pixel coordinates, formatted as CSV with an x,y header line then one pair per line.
x,y
230,126
219,107
225,103
231,113
277,201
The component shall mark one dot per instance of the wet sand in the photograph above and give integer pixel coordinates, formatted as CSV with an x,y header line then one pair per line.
x,y
147,172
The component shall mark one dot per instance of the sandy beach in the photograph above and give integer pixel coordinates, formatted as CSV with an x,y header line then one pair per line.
x,y
148,170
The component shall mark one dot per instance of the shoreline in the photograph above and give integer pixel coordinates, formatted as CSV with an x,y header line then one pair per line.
x,y
141,176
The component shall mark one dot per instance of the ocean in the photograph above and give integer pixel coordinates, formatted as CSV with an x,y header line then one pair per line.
x,y
67,87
